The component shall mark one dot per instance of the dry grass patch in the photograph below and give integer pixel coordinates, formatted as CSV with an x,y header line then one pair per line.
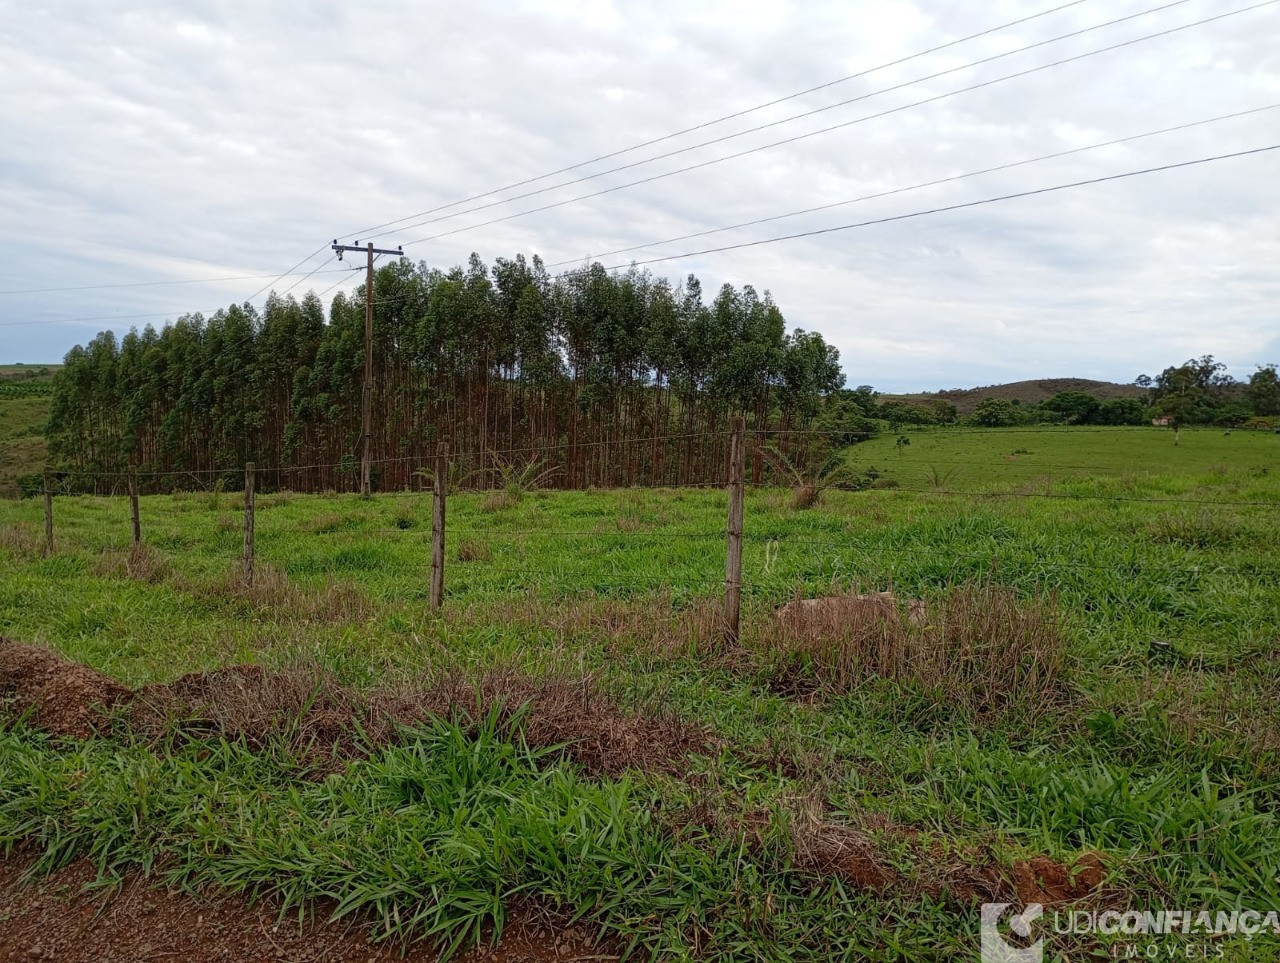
x,y
653,626
982,649
21,540
273,590
325,524
473,550
500,500
141,563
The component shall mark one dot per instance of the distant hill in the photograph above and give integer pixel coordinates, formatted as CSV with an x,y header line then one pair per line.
x,y
1027,392
28,372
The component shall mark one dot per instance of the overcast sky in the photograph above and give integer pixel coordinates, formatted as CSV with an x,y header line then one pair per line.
x,y
168,141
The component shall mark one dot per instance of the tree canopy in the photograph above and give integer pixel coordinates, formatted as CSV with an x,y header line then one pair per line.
x,y
589,370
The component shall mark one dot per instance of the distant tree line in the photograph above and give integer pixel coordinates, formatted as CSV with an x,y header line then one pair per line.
x,y
1197,392
586,373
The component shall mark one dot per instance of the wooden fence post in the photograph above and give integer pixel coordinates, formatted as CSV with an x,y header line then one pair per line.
x,y
440,488
133,508
48,516
248,523
733,560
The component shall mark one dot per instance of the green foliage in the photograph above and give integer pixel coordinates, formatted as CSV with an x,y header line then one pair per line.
x,y
997,413
1123,411
1264,391
26,389
501,358
1074,407
1200,392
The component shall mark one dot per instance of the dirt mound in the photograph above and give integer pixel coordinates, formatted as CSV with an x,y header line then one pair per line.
x,y
65,698
326,724
556,712
313,716
59,919
846,853
322,720
1043,880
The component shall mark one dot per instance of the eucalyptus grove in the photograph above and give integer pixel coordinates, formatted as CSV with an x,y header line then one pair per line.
x,y
613,378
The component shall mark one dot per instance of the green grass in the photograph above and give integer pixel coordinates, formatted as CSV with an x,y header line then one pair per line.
x,y
966,458
1164,758
22,446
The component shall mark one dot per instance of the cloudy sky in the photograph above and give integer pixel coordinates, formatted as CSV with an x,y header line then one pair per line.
x,y
147,142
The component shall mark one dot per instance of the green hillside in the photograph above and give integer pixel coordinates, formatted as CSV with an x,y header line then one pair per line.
x,y
1027,392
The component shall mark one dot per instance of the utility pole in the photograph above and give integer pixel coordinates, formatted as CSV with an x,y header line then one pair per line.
x,y
366,400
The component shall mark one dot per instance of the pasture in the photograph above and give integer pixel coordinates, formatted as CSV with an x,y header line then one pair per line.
x,y
1089,716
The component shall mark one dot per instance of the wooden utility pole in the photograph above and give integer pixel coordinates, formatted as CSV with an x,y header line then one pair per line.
x,y
133,508
733,558
366,399
440,489
248,522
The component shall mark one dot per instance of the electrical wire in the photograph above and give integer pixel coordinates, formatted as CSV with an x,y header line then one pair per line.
x,y
949,207
915,187
151,284
794,117
799,137
722,119
741,113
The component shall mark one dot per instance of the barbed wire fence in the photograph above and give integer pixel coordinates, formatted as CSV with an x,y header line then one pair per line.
x,y
437,474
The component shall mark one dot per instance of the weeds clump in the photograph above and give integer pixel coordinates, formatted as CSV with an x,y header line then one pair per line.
x,y
21,540
141,562
981,649
808,481
500,500
273,590
276,499
1199,530
325,524
213,498
473,550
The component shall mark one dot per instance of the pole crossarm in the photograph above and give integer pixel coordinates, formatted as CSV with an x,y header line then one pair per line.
x,y
340,248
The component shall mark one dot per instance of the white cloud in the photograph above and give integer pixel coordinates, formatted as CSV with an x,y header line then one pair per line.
x,y
162,141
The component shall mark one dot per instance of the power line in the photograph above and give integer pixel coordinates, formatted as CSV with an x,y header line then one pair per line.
x,y
722,119
949,207
800,234
794,117
915,187
318,250
150,284
657,140
849,123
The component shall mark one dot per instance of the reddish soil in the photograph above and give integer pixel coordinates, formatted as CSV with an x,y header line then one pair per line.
x,y
63,697
55,918
326,723
1042,880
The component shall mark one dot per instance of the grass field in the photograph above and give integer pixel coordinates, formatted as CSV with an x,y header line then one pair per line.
x,y
22,422
1098,675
